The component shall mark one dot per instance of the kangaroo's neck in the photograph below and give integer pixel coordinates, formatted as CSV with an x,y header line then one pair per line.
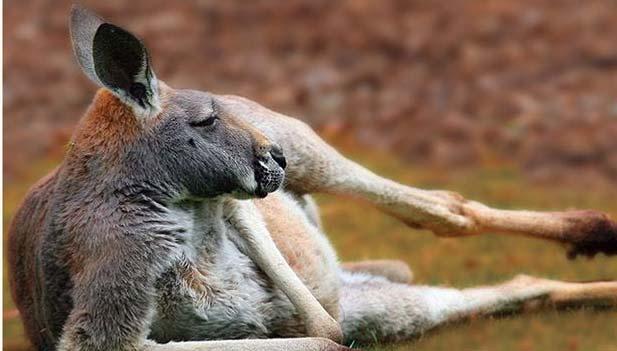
x,y
107,125
99,143
203,226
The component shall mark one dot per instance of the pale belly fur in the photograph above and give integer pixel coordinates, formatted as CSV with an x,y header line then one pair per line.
x,y
223,295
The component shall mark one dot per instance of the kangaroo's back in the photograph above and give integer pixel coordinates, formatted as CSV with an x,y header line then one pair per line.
x,y
26,233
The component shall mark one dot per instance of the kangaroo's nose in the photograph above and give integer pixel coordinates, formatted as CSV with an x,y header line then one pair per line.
x,y
277,154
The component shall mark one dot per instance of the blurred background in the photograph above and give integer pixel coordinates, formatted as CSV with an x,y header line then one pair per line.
x,y
513,103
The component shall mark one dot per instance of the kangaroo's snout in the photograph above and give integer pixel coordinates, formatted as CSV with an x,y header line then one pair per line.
x,y
269,168
278,156
269,165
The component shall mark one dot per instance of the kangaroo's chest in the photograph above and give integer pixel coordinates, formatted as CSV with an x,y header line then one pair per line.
x,y
209,285
197,301
214,291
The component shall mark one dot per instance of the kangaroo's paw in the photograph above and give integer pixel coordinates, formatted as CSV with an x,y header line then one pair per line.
x,y
590,232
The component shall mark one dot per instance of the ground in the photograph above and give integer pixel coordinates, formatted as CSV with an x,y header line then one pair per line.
x,y
360,232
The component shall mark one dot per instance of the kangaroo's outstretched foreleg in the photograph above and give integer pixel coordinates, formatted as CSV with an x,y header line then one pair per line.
x,y
314,166
449,214
446,213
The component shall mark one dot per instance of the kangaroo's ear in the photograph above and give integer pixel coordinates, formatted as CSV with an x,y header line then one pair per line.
x,y
115,59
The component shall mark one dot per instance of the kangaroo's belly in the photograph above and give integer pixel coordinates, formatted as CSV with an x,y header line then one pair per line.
x,y
304,246
227,299
226,296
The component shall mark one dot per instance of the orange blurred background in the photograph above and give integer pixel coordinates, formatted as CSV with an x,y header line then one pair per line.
x,y
453,83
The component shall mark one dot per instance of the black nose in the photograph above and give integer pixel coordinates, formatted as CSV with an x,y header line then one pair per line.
x,y
277,154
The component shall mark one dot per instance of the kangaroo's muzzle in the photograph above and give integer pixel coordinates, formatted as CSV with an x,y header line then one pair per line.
x,y
269,172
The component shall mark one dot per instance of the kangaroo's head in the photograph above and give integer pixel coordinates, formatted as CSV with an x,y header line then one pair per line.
x,y
140,127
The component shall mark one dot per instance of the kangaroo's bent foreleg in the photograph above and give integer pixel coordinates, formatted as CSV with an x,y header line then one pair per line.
x,y
260,247
314,166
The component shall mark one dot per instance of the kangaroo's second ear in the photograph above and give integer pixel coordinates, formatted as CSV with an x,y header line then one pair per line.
x,y
115,59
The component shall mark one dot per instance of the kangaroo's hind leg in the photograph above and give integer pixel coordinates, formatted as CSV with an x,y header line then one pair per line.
x,y
395,271
376,310
314,166
297,344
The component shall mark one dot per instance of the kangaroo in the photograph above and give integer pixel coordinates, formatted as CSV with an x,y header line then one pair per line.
x,y
182,220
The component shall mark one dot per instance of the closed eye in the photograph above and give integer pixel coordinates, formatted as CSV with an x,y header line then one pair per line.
x,y
208,122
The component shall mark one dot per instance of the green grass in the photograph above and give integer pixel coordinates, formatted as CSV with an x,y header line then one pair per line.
x,y
360,232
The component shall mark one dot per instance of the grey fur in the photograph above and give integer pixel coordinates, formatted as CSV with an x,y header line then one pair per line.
x,y
83,27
